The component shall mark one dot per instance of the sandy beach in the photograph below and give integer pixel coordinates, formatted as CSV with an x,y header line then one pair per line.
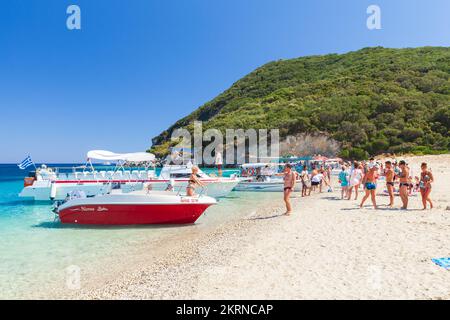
x,y
328,249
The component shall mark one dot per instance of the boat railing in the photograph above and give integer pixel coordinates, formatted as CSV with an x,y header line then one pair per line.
x,y
78,173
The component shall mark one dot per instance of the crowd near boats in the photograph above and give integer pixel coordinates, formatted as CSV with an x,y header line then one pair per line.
x,y
133,193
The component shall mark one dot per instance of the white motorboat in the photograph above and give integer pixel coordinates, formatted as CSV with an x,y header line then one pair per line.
x,y
262,177
48,184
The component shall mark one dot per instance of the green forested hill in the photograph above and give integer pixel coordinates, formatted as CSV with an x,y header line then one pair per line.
x,y
372,101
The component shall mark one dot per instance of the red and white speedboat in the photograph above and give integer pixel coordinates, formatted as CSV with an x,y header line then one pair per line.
x,y
137,207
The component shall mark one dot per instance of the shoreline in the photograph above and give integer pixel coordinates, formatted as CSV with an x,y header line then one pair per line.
x,y
327,249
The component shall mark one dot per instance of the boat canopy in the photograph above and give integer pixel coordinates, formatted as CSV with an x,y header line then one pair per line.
x,y
105,155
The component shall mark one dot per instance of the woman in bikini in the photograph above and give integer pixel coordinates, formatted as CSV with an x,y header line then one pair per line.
x,y
289,185
426,178
404,183
193,182
389,174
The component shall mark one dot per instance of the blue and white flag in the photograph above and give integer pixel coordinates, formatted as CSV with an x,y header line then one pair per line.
x,y
26,163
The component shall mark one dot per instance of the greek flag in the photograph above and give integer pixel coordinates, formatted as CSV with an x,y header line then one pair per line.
x,y
26,163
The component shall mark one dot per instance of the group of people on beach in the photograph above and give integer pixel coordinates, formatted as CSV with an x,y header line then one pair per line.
x,y
366,175
316,180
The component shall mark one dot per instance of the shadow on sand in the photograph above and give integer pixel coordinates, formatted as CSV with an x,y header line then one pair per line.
x,y
268,217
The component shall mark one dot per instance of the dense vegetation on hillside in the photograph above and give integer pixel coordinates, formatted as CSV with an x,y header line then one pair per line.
x,y
372,101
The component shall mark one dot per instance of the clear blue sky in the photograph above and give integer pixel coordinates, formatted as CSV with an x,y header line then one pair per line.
x,y
137,66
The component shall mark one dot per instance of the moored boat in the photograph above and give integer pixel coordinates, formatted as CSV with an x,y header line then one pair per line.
x,y
137,207
47,184
262,177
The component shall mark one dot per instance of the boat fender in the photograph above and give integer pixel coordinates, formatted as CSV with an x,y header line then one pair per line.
x,y
53,191
28,181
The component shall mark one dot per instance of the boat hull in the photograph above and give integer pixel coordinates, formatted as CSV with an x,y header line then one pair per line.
x,y
132,214
134,208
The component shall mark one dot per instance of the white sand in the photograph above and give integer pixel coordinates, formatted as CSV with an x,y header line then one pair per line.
x,y
328,249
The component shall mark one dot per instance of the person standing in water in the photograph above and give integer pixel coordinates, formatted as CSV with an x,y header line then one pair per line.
x,y
370,185
219,162
289,185
193,182
389,174
426,178
404,183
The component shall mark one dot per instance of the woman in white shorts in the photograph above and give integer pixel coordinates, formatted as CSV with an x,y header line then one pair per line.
x,y
355,180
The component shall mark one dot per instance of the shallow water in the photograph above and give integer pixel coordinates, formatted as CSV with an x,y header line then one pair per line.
x,y
37,251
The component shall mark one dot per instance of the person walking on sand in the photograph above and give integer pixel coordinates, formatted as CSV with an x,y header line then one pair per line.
x,y
389,174
316,180
355,180
426,178
404,183
344,181
306,183
289,185
329,170
370,185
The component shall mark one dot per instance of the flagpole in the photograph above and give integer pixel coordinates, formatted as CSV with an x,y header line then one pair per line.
x,y
34,164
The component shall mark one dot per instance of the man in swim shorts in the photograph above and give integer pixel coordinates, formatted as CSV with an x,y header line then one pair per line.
x,y
370,185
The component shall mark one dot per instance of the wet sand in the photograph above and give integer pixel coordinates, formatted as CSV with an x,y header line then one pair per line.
x,y
328,249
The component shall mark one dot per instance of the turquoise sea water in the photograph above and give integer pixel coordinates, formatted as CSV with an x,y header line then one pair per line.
x,y
35,249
